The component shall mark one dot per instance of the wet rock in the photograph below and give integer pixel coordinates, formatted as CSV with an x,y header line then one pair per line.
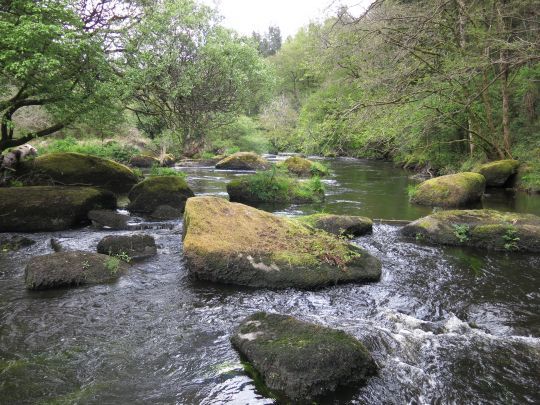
x,y
143,161
80,170
346,225
109,219
149,194
453,190
243,161
71,269
43,208
167,160
15,243
299,359
134,247
303,167
498,173
237,244
56,245
166,212
487,229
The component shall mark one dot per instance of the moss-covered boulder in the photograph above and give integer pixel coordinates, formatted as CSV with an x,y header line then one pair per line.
x,y
488,229
452,190
498,173
343,225
243,161
300,166
49,208
528,177
270,187
237,244
80,170
154,191
300,361
144,161
71,269
127,247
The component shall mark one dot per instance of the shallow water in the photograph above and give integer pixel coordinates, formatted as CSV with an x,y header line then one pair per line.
x,y
445,325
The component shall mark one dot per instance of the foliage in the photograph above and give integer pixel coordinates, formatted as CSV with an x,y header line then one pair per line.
x,y
166,171
112,264
243,134
511,239
269,43
461,231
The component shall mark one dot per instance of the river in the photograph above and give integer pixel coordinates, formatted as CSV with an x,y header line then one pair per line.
x,y
445,325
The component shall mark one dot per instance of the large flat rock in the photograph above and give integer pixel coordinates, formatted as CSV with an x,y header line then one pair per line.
x,y
236,244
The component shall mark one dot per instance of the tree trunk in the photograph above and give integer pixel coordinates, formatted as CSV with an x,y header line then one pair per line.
x,y
505,105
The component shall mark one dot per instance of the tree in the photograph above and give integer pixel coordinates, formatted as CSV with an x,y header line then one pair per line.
x,y
191,73
270,43
54,56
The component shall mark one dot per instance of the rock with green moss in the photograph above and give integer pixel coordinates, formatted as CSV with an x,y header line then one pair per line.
x,y
528,177
236,244
452,190
49,208
82,170
243,161
300,361
156,191
271,187
128,247
304,167
498,173
488,229
71,269
144,161
343,225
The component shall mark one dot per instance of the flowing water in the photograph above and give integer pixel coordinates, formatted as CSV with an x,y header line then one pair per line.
x,y
445,325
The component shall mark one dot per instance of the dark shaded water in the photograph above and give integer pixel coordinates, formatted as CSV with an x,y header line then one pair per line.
x,y
446,325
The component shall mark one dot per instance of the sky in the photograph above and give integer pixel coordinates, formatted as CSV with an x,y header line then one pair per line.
x,y
246,16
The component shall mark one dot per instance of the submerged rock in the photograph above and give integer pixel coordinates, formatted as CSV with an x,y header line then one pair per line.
x,y
487,229
109,219
43,208
15,243
346,225
71,269
128,247
166,212
243,161
299,359
237,244
144,161
499,172
304,167
152,192
452,190
80,170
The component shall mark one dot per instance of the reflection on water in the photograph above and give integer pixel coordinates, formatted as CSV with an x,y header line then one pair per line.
x,y
446,325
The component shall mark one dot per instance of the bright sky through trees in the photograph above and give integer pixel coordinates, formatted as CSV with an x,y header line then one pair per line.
x,y
247,16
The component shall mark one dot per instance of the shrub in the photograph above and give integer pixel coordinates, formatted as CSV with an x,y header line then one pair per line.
x,y
166,171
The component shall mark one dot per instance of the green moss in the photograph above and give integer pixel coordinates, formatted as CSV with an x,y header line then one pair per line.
x,y
303,167
166,171
243,161
154,191
451,190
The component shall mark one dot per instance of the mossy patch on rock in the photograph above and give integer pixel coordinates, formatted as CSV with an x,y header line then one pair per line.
x,y
301,360
144,161
153,192
127,247
452,190
343,225
243,161
71,269
499,172
487,229
78,169
304,167
49,208
237,244
272,187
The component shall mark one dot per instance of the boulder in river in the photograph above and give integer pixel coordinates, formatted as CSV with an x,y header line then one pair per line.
x,y
71,269
109,219
144,161
49,208
166,212
154,191
499,172
243,161
343,225
452,190
299,359
128,247
488,229
15,243
67,168
236,244
304,167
